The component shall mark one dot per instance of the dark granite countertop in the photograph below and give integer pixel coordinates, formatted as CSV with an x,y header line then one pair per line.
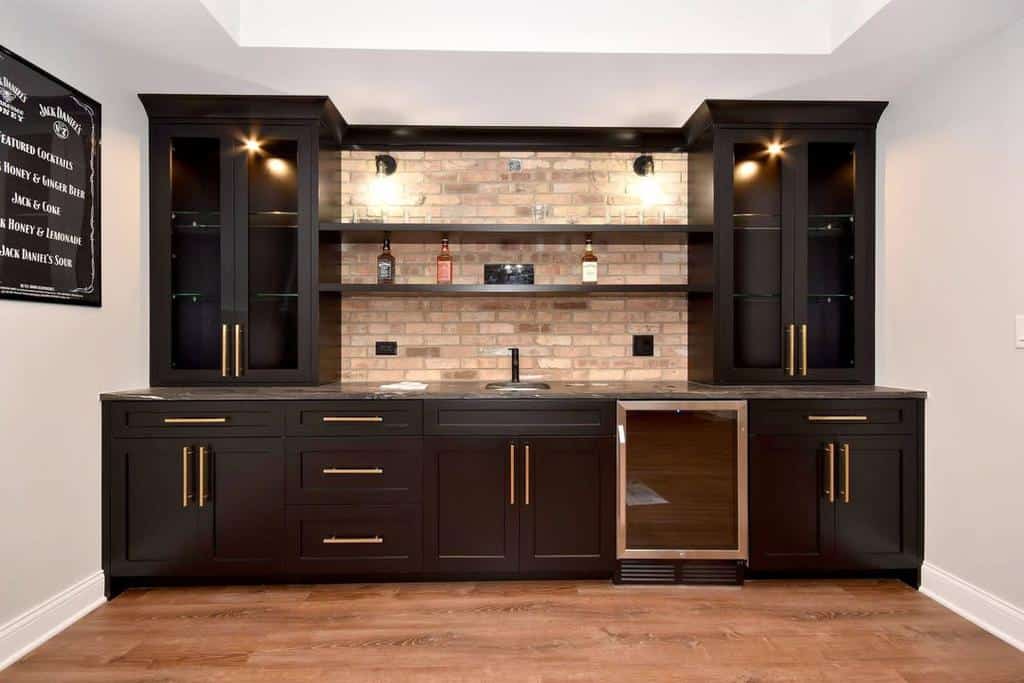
x,y
473,390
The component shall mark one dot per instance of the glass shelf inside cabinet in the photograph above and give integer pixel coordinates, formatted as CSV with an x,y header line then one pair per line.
x,y
273,219
195,221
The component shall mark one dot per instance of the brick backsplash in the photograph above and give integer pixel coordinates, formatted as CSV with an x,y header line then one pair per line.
x,y
465,338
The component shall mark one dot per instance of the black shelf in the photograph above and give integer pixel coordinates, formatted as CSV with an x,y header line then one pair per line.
x,y
346,289
420,232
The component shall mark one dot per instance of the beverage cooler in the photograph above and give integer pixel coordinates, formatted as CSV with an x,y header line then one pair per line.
x,y
682,491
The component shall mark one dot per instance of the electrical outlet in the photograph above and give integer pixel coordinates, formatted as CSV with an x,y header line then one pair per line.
x,y
515,165
386,348
643,344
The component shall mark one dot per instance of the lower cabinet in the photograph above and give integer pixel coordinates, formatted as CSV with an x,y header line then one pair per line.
x,y
506,506
848,498
195,506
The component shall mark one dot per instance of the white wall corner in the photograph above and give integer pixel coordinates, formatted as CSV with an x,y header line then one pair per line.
x,y
997,616
24,633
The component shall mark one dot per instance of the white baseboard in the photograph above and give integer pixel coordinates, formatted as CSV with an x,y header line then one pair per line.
x,y
24,633
997,616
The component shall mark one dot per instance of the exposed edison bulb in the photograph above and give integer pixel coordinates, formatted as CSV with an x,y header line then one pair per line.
x,y
648,190
252,144
277,166
384,189
745,170
774,149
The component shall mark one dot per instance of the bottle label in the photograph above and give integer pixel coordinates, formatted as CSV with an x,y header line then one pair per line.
x,y
384,270
444,272
590,271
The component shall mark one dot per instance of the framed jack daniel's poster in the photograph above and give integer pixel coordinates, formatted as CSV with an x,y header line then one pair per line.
x,y
49,187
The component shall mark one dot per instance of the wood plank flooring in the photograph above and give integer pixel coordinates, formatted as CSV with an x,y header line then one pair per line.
x,y
525,631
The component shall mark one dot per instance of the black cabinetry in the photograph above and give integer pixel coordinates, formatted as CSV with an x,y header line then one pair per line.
x,y
233,218
790,189
836,486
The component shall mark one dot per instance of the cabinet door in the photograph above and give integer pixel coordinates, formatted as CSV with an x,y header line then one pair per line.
x,y
274,197
755,227
191,253
792,521
471,504
153,508
240,492
877,502
567,516
834,217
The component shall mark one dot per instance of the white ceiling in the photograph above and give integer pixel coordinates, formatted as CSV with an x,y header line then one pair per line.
x,y
179,46
594,26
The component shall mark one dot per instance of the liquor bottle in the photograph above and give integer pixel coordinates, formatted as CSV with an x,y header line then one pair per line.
x,y
589,264
444,264
386,265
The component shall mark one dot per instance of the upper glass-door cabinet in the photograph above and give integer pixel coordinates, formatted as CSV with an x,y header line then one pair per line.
x,y
233,204
790,188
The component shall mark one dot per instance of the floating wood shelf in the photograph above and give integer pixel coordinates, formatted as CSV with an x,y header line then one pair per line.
x,y
500,290
409,232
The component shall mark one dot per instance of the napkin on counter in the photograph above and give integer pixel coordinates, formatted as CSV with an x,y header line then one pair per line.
x,y
404,386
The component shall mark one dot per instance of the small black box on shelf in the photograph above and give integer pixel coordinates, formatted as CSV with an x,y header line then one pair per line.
x,y
508,274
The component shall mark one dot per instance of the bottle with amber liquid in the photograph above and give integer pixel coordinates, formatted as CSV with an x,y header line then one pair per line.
x,y
444,264
386,265
589,263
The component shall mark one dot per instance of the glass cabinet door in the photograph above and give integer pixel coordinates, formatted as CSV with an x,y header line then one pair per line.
x,y
829,205
760,287
682,479
192,213
275,226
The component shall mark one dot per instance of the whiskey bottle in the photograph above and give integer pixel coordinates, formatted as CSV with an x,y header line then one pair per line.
x,y
444,264
386,265
589,263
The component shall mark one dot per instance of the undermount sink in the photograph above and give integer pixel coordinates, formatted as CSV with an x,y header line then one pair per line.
x,y
517,386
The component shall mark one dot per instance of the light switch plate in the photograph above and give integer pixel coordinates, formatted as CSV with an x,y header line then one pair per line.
x,y
1020,332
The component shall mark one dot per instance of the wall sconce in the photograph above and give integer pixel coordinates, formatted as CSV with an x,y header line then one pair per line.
x,y
386,165
384,189
647,188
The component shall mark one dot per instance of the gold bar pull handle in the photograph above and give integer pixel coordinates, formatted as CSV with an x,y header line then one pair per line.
x,y
225,361
330,419
195,420
791,350
340,540
830,450
511,474
186,455
837,418
526,476
238,350
203,490
803,350
353,470
845,449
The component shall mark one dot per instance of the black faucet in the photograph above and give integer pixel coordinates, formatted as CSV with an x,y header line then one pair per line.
x,y
515,365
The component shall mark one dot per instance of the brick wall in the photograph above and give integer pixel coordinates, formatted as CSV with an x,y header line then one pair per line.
x,y
561,338
474,187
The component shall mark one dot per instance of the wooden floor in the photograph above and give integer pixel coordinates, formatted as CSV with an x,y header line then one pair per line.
x,y
524,631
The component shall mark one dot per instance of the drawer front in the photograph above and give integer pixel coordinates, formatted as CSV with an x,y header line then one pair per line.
x,y
519,417
194,419
356,418
357,539
330,471
883,416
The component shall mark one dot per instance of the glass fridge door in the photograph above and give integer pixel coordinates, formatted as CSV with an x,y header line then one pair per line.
x,y
682,479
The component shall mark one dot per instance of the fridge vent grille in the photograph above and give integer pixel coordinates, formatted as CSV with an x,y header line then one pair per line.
x,y
643,571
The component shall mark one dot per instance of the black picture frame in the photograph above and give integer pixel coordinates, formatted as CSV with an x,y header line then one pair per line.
x,y
93,297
